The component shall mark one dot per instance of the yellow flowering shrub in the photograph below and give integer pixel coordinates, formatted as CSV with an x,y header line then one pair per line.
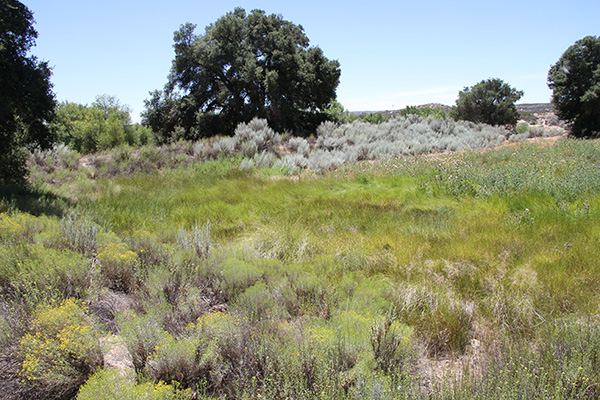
x,y
62,349
117,266
18,226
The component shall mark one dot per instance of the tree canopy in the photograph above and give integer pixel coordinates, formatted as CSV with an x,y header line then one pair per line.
x,y
575,84
490,102
105,124
244,66
26,99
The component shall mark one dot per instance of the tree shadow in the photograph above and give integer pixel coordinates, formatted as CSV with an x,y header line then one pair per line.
x,y
34,201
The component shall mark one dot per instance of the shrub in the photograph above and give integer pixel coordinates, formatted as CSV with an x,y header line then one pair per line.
x,y
149,251
224,145
109,384
236,275
264,159
32,269
211,353
179,360
247,164
17,227
291,163
260,302
34,274
61,350
59,156
80,236
522,127
254,137
299,145
197,239
141,333
391,344
118,267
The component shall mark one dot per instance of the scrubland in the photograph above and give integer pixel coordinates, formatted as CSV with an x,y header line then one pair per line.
x,y
412,259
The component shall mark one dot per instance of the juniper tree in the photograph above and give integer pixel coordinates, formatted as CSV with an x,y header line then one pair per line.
x,y
490,102
575,84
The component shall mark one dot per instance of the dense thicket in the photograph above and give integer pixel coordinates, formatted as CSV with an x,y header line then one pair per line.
x,y
490,102
575,82
26,98
244,66
104,124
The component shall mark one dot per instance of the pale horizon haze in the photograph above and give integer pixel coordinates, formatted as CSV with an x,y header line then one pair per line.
x,y
392,53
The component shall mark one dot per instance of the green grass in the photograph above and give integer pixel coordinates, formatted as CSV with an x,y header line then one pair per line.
x,y
487,259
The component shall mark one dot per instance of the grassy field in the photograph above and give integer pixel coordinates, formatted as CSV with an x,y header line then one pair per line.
x,y
470,274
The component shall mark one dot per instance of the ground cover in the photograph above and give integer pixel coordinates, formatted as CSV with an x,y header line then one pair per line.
x,y
465,275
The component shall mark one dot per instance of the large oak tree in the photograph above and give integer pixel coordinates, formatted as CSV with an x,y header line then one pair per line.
x,y
26,100
244,66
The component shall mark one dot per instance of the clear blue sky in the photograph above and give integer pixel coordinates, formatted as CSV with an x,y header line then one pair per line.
x,y
392,53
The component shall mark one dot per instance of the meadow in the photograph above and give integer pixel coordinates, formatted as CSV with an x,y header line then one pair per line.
x,y
338,267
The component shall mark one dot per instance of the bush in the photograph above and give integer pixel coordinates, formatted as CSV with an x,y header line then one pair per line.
x,y
211,353
141,333
299,145
522,127
118,267
112,385
183,360
32,270
236,275
58,157
80,236
197,239
61,350
391,344
255,137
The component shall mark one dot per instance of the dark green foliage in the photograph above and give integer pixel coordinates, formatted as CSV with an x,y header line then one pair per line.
x,y
244,66
490,102
575,82
374,118
26,99
103,125
436,112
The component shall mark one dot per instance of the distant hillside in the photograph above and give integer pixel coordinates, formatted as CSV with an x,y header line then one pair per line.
x,y
535,108
394,112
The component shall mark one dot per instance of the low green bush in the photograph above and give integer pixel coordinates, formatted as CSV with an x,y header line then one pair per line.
x,y
142,334
522,127
109,384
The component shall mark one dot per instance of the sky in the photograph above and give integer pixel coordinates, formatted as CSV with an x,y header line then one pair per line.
x,y
392,53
